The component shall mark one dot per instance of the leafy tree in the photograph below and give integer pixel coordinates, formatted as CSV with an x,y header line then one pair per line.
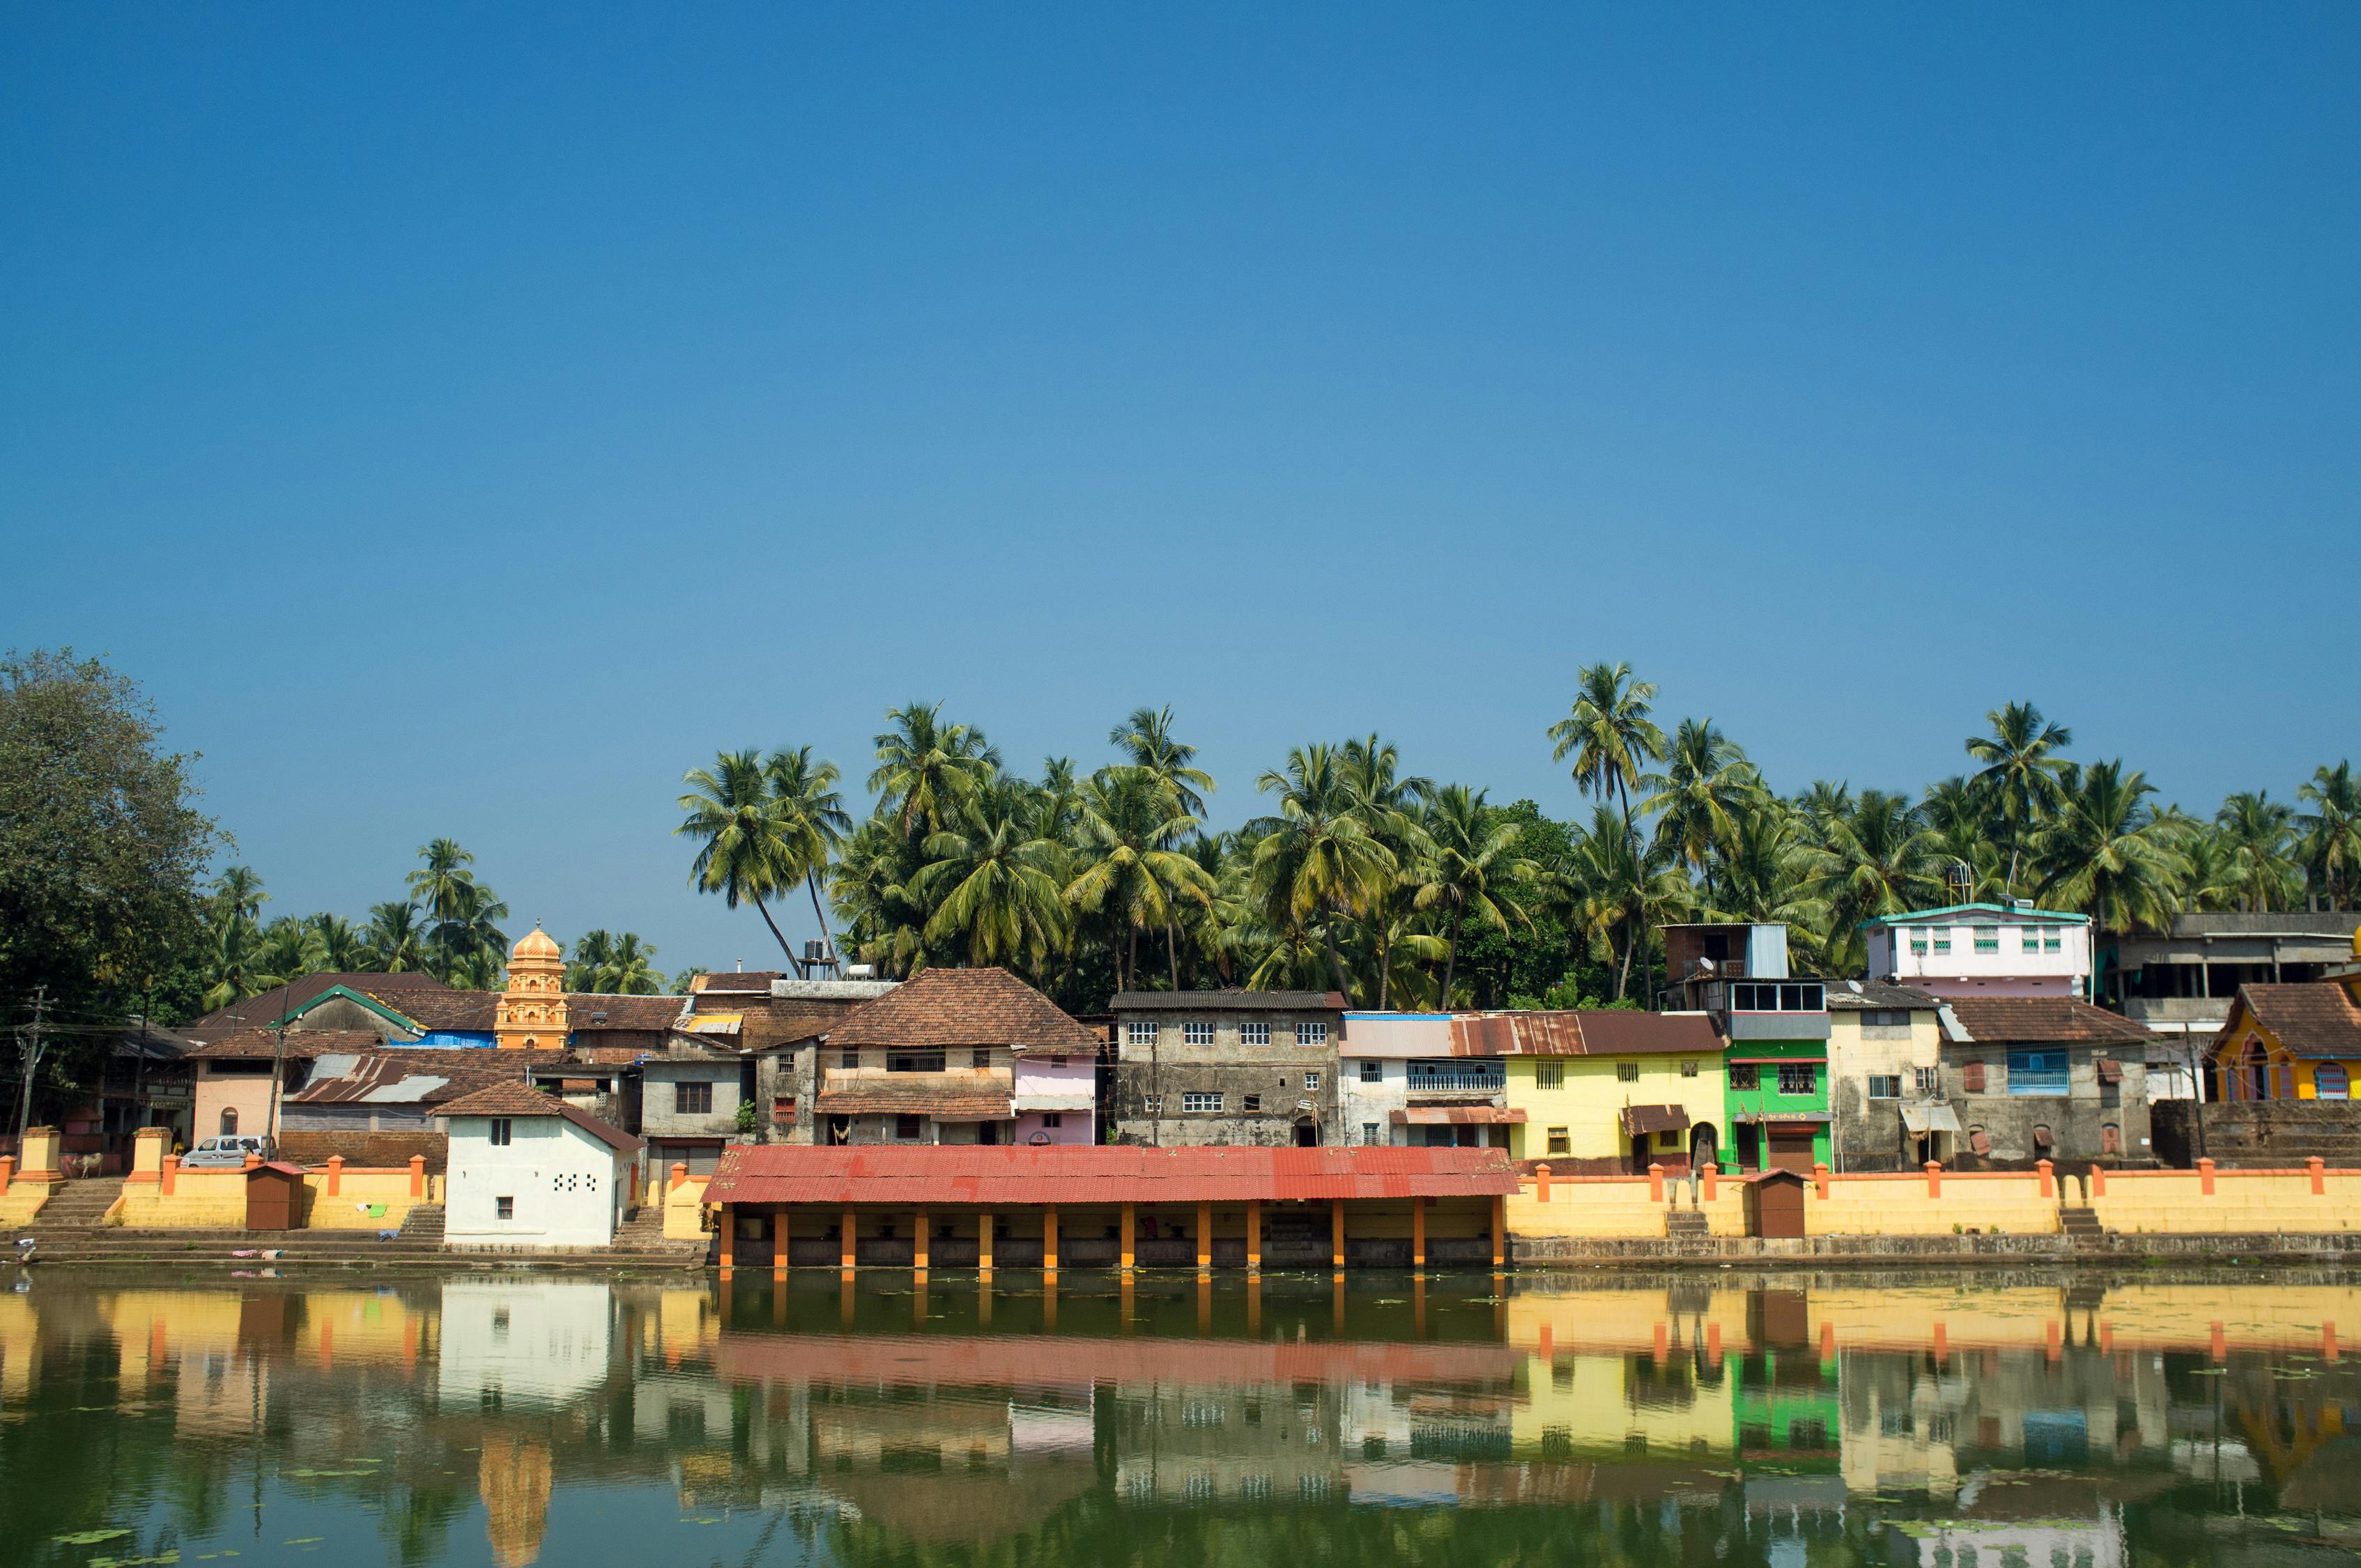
x,y
2021,772
1878,859
2259,832
1706,785
1610,735
2107,854
1315,861
2332,832
395,937
991,883
742,850
1130,858
1145,740
101,846
1470,871
926,767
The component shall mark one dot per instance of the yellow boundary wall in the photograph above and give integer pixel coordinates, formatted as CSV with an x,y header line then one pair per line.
x,y
341,1197
2313,1201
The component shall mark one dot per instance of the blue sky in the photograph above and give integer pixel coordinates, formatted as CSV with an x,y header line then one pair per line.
x,y
464,420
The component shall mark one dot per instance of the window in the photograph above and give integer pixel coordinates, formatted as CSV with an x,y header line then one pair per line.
x,y
230,1121
914,1062
1627,1072
1943,941
979,1058
1918,943
1987,939
2037,1073
909,1129
851,1061
1745,1076
1311,1083
1560,1141
503,1208
692,1100
1369,1132
1198,1103
1971,1078
1799,1077
1885,1023
1930,1080
1373,1072
1053,1118
1312,1033
1196,1032
1785,996
1689,1069
2330,1081
1979,1141
1251,1102
2042,1140
1253,1034
1152,1104
503,1130
1549,1075
1139,1034
1885,1086
2032,939
2051,942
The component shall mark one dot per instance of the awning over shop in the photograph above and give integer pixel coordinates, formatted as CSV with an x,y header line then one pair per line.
x,y
1930,1118
1638,1119
1456,1115
1816,1118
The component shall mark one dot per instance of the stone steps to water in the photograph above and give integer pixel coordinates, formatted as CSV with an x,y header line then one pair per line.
x,y
1680,1223
2080,1226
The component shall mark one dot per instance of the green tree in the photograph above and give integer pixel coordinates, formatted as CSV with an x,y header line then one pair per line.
x,y
1315,860
1610,736
924,767
810,823
990,880
1878,859
1470,872
1130,860
2020,773
396,937
1623,889
2259,834
1706,785
2106,853
742,852
101,846
1145,740
2332,832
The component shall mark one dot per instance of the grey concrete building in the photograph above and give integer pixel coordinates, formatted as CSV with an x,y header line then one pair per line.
x,y
1227,1067
1885,1055
2035,1078
2179,982
777,1024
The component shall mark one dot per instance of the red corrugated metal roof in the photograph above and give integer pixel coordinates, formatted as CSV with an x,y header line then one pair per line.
x,y
1099,1173
1594,1032
1456,1115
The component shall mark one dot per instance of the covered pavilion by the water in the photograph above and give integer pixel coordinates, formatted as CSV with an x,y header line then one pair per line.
x,y
1109,1207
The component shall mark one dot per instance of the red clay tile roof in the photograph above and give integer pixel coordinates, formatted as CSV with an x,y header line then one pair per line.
x,y
433,1008
944,1103
963,1007
2317,1019
1098,1174
1228,1002
1592,1032
301,1044
267,1006
2043,1020
513,1099
642,1012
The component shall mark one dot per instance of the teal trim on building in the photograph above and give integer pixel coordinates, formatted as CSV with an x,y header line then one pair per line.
x,y
1999,913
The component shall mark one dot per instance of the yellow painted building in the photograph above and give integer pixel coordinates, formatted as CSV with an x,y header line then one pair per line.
x,y
1610,1092
2292,1041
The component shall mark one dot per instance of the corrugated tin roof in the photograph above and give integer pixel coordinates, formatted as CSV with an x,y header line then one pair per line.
x,y
1099,1173
1456,1115
1592,1032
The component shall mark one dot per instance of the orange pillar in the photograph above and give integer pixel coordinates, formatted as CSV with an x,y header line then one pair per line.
x,y
2328,1341
2318,1169
1712,1180
418,1176
779,1229
1655,1183
918,1239
1337,1233
1820,1180
335,1174
1933,1179
1254,1234
2205,1178
8,1171
1130,1230
728,1236
2098,1181
984,1242
852,1231
679,1175
1049,1239
1541,1183
2220,1347
1204,1238
171,1173
2049,1180
1499,1232
1418,1233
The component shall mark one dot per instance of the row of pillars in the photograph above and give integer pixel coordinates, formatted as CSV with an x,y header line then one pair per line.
x,y
848,1229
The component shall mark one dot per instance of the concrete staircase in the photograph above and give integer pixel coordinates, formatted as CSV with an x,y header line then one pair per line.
x,y
1686,1224
2080,1226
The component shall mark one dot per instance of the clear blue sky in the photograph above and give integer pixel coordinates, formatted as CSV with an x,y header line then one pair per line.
x,y
462,419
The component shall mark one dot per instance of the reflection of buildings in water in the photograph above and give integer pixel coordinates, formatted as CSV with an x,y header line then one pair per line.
x,y
2097,1542
1912,1427
220,1394
19,1330
543,1341
1204,1443
1595,1407
513,1475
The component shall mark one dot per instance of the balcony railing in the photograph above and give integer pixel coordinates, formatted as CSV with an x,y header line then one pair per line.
x,y
1452,1078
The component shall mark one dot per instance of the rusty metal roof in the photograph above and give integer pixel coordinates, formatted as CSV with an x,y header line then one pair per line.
x,y
1654,1118
1591,1031
1096,1174
1456,1115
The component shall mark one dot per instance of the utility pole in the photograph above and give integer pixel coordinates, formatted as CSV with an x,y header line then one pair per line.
x,y
278,1068
29,1046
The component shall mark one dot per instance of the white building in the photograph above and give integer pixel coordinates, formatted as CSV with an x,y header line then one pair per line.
x,y
531,1173
524,1341
1399,1084
1984,949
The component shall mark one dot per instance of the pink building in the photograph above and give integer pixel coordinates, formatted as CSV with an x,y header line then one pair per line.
x,y
1984,949
1057,1099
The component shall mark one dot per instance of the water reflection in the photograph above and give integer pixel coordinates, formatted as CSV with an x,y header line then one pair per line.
x,y
509,1416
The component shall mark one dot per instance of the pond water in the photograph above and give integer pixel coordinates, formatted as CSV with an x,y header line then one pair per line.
x,y
1794,1422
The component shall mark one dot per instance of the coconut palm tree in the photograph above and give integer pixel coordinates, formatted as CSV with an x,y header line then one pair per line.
x,y
926,767
811,823
735,820
1610,735
1706,785
1622,889
1316,861
881,917
2106,852
2020,772
439,887
2261,834
342,949
396,937
238,895
1878,859
1144,739
993,894
1132,827
1959,819
2332,832
1470,872
471,945
1764,871
586,968
630,968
